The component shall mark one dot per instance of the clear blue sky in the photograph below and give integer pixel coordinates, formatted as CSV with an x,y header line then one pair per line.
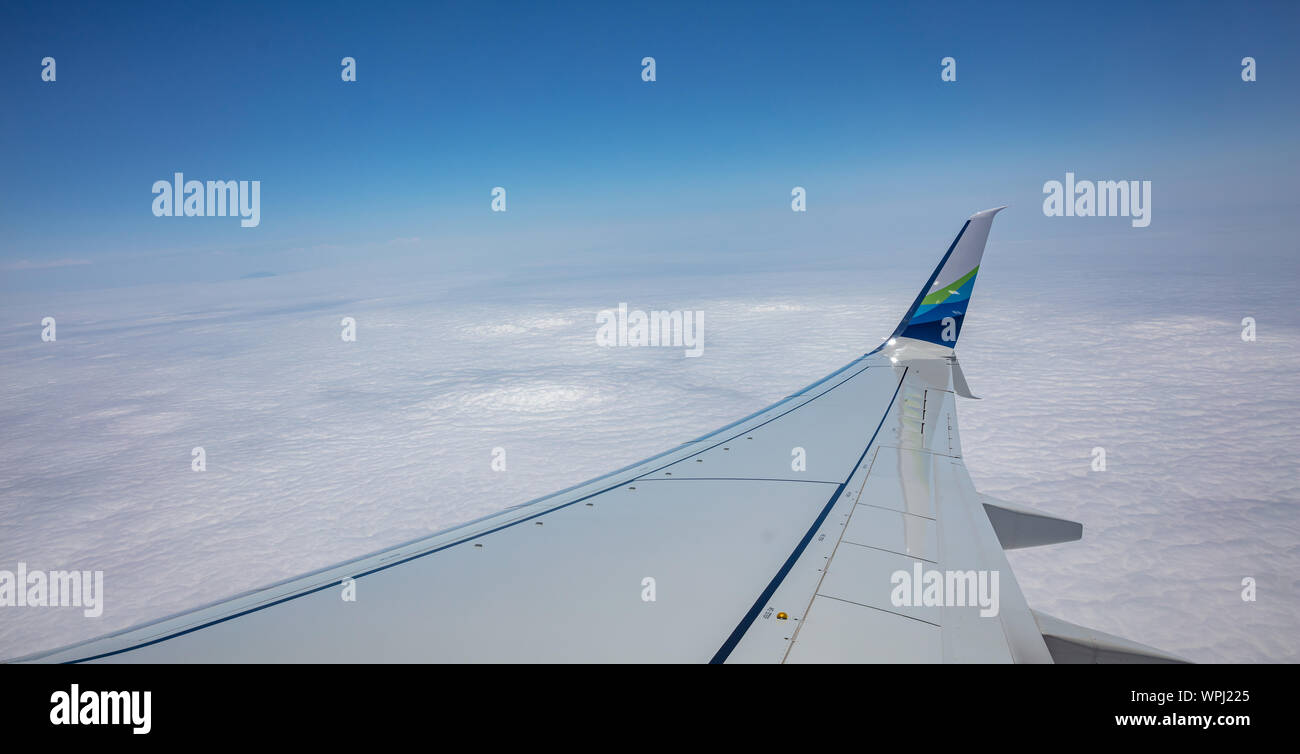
x,y
751,99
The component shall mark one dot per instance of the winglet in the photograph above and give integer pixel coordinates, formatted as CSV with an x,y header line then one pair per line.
x,y
937,313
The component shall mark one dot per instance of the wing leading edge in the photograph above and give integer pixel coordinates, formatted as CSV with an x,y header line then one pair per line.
x,y
722,549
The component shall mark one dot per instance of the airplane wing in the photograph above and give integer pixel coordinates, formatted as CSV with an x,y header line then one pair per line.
x,y
837,525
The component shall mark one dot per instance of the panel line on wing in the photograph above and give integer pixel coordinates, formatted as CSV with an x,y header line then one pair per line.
x,y
734,479
872,607
895,510
885,549
843,528
736,635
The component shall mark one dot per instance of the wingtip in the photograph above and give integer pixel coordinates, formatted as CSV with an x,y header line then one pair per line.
x,y
988,212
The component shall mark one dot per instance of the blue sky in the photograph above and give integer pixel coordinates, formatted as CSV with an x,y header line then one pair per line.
x,y
453,99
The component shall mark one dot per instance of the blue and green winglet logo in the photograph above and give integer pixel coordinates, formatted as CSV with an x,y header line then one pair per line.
x,y
946,302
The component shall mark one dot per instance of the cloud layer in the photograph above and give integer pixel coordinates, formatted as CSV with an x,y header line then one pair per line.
x,y
320,450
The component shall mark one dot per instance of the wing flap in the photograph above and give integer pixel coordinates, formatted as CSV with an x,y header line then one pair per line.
x,y
1072,644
